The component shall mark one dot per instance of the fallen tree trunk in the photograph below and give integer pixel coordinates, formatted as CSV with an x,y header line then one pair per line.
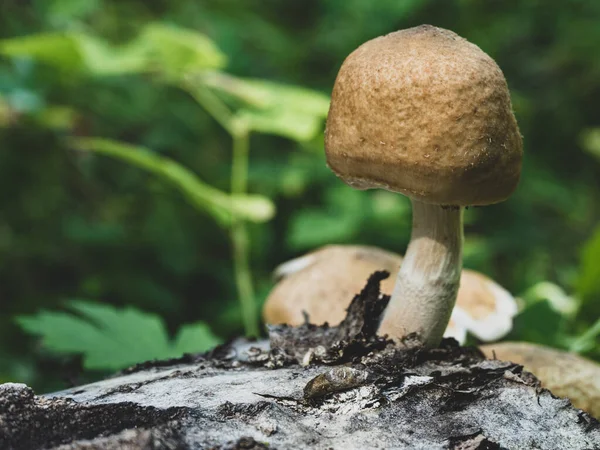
x,y
312,387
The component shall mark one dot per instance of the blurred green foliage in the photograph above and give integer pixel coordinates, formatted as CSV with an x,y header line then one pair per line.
x,y
149,79
219,204
112,339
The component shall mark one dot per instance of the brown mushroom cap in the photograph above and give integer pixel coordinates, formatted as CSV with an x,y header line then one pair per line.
x,y
564,374
323,283
426,113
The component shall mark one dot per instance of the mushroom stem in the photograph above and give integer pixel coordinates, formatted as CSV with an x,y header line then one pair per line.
x,y
428,280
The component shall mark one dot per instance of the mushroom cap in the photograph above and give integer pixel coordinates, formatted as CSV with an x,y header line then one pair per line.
x,y
425,113
564,374
483,308
323,283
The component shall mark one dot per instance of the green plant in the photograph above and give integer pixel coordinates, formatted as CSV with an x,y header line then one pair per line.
x,y
552,317
80,225
260,106
190,61
111,338
225,208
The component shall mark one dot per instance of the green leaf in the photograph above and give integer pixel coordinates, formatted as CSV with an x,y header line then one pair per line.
x,y
313,228
252,207
338,222
144,334
175,52
221,205
75,52
590,140
556,297
586,341
59,49
110,338
171,51
287,123
101,59
267,107
539,323
588,285
263,95
64,12
195,338
57,117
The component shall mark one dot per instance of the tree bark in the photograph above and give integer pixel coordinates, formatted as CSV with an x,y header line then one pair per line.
x,y
310,387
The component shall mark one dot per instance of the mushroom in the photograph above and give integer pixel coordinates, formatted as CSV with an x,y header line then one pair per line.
x,y
483,308
425,113
564,374
322,284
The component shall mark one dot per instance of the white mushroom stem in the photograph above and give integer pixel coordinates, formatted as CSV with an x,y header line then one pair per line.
x,y
428,280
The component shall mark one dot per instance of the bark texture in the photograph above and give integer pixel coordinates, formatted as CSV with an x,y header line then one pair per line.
x,y
310,387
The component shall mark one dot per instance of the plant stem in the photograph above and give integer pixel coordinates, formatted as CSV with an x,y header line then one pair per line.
x,y
239,234
239,186
213,105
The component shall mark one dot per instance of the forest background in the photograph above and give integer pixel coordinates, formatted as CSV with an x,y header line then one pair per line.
x,y
159,158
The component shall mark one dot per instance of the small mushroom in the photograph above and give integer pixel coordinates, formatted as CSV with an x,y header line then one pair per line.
x,y
322,284
425,113
483,308
564,374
